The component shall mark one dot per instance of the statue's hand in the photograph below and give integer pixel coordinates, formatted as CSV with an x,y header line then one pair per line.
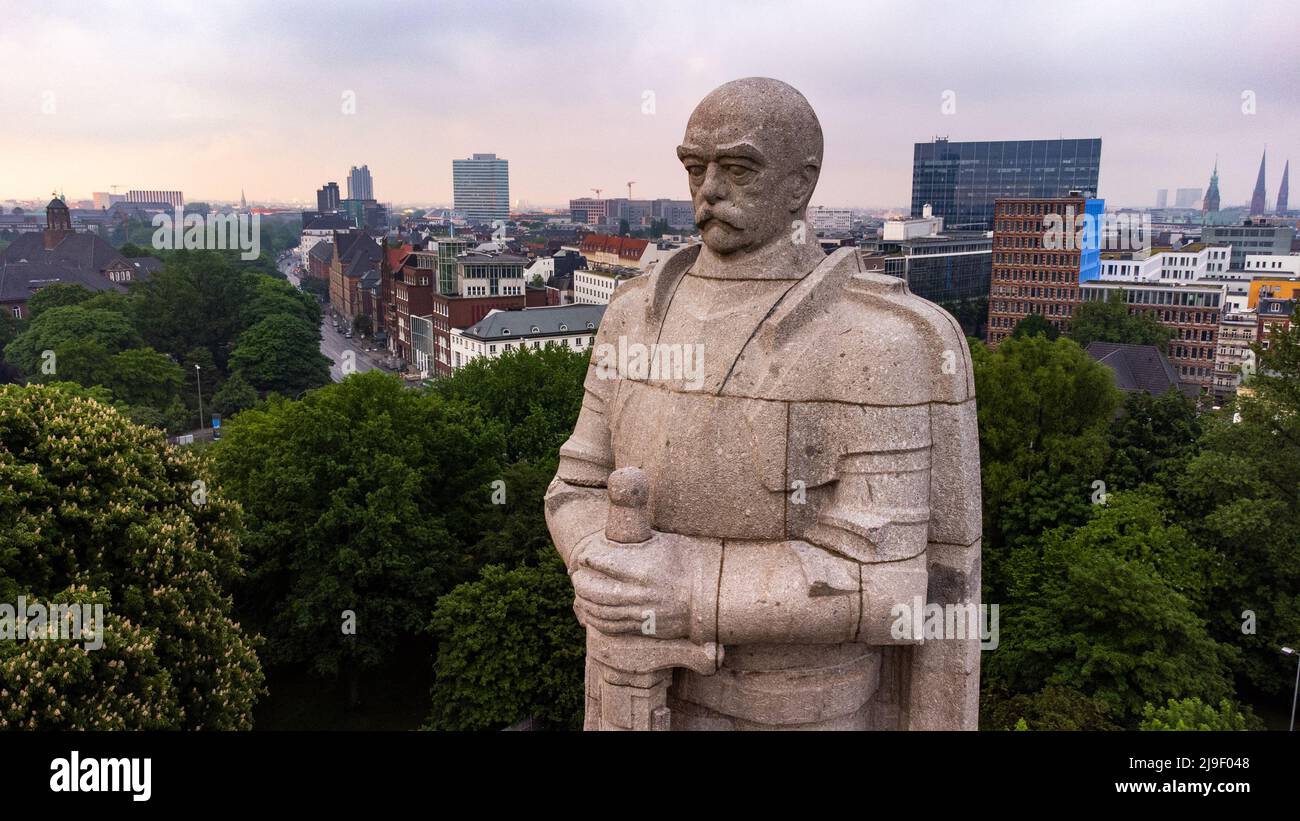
x,y
643,588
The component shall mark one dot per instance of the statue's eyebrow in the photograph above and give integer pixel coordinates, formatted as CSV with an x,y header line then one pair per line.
x,y
742,150
685,152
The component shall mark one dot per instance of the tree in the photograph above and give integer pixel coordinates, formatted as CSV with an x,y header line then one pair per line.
x,y
60,326
1152,439
362,496
195,301
99,509
1110,609
142,376
1055,707
1193,714
535,393
54,296
281,354
268,297
509,649
1035,325
1110,321
1239,498
1043,412
362,325
234,396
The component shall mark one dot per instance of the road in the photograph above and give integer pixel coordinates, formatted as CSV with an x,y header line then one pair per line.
x,y
335,346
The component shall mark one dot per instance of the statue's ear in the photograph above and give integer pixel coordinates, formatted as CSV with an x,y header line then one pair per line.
x,y
803,181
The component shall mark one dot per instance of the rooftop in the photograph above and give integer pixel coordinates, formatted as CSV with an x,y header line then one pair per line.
x,y
551,320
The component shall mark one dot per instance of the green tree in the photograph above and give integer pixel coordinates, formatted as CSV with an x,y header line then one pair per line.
x,y
281,354
1152,440
142,376
234,396
1044,408
1054,707
1239,497
1193,714
362,496
96,506
535,393
59,326
509,649
1110,321
1035,325
55,296
1110,609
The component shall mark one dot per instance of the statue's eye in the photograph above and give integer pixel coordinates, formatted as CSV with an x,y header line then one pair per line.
x,y
740,173
695,170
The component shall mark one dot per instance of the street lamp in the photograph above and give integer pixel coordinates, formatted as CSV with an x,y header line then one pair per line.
x,y
199,376
1290,651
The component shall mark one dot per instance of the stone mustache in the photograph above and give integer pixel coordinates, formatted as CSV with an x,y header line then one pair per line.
x,y
739,545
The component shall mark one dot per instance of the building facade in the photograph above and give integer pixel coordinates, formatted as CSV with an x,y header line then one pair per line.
x,y
570,326
481,187
1032,272
963,180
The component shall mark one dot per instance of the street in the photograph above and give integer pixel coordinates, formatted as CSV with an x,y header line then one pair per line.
x,y
334,345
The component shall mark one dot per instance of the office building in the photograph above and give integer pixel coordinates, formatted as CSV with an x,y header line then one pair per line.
x,y
360,184
481,187
173,198
1034,271
1252,236
963,180
327,198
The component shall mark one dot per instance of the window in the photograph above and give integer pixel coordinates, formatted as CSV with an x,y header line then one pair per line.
x,y
18,312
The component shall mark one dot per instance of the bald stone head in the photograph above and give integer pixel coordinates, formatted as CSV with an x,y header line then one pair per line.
x,y
752,153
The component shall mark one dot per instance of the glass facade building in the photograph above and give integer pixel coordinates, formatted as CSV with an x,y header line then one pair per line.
x,y
961,181
481,187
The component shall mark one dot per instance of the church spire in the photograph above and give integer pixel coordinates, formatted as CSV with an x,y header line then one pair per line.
x,y
1210,204
1282,191
1257,199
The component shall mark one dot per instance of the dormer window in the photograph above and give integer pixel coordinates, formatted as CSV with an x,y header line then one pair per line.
x,y
564,327
535,329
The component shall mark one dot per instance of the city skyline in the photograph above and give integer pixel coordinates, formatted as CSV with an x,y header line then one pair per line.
x,y
256,98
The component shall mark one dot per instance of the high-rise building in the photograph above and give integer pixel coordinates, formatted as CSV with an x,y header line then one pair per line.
x,y
481,187
327,197
963,180
1187,197
360,184
1257,199
1254,236
173,198
1037,270
1282,192
1211,203
1162,198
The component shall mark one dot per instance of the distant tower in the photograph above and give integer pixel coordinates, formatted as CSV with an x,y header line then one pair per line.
x,y
1211,202
1282,192
243,203
58,222
1257,199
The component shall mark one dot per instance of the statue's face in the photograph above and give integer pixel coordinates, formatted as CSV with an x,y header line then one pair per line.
x,y
745,192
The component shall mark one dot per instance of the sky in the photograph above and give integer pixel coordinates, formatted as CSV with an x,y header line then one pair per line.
x,y
214,97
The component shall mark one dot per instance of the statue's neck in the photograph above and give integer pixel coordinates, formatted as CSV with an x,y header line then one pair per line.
x,y
781,259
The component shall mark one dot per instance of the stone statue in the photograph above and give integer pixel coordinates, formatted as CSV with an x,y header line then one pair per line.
x,y
745,540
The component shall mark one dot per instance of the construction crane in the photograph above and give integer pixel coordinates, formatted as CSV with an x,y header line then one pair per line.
x,y
629,189
597,190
